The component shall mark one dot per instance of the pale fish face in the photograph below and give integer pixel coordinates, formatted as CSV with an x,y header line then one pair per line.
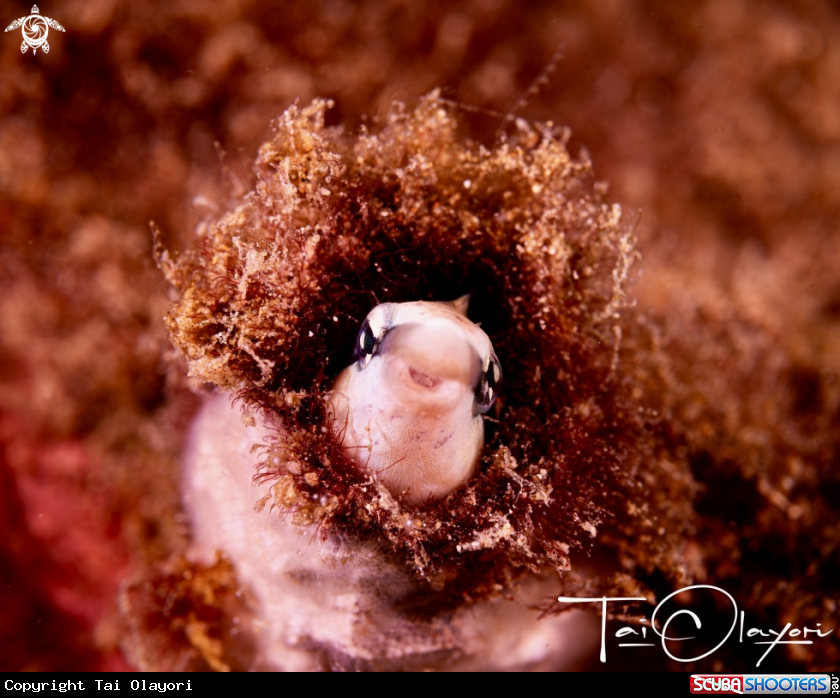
x,y
409,409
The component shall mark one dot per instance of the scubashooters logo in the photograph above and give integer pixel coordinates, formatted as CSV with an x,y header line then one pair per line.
x,y
774,684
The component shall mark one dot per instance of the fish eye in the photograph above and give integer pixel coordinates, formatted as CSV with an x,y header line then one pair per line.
x,y
488,384
365,344
371,334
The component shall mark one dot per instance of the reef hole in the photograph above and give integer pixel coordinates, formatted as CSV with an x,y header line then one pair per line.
x,y
274,295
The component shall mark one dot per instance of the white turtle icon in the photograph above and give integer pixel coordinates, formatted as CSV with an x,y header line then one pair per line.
x,y
35,30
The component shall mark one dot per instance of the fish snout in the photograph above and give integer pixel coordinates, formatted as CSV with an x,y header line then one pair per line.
x,y
431,367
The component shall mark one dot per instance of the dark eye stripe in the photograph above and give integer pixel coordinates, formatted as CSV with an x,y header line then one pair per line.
x,y
488,386
367,341
366,344
492,375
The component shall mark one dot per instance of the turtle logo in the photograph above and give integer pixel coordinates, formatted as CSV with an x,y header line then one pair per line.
x,y
35,30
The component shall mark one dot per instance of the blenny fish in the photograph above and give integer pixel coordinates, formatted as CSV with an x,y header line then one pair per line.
x,y
409,413
409,410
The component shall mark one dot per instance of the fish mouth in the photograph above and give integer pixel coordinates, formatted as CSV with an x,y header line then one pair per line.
x,y
423,379
422,391
429,367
